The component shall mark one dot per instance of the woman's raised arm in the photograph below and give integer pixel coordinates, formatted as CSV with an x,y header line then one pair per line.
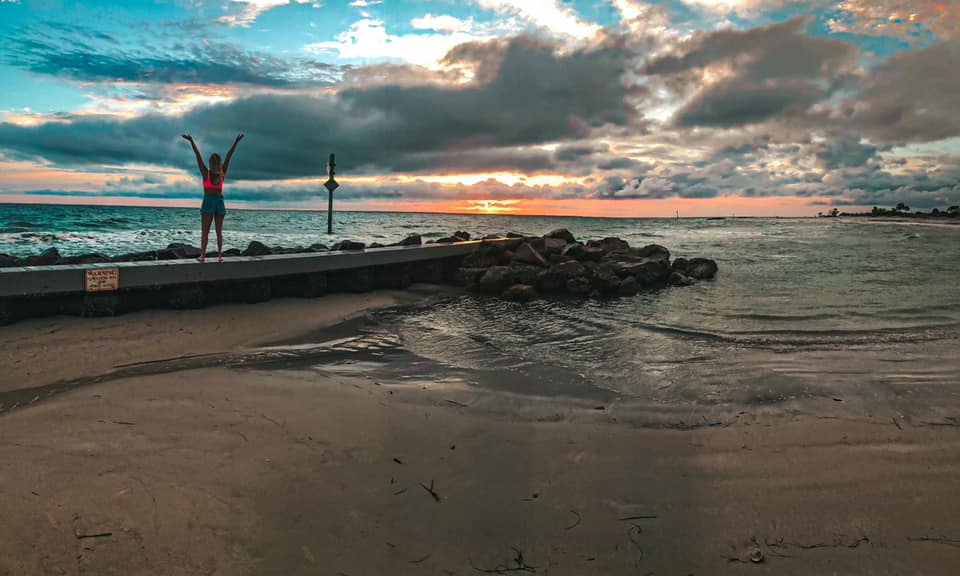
x,y
196,152
226,163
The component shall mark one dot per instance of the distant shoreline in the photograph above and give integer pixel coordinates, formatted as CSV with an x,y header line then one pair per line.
x,y
940,222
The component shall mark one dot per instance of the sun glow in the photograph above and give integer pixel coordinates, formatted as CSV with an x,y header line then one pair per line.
x,y
492,206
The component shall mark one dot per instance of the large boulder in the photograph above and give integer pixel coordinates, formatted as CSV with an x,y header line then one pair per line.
x,y
562,234
485,256
651,252
348,245
529,255
647,272
557,277
317,248
579,286
256,248
411,240
701,268
520,293
8,261
554,245
179,251
680,279
525,273
48,257
575,251
461,235
605,279
137,257
94,258
469,277
628,287
495,280
609,245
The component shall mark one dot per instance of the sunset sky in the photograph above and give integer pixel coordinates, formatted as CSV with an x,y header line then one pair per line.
x,y
593,107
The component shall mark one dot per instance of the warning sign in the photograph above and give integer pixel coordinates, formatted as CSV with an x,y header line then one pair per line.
x,y
102,280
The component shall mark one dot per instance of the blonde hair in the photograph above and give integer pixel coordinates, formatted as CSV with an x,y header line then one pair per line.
x,y
216,166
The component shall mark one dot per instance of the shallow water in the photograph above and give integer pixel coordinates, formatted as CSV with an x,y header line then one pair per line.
x,y
802,310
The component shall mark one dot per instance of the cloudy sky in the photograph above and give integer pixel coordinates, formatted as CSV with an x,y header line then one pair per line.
x,y
601,107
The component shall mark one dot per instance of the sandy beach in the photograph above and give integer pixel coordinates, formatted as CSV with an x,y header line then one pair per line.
x,y
195,468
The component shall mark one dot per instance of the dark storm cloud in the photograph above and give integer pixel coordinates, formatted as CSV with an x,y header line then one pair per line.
x,y
536,97
741,101
577,151
776,69
912,97
86,55
846,152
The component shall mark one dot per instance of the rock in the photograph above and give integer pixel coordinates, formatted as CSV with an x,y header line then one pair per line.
x,y
525,273
628,287
232,252
485,256
492,237
515,235
651,252
554,245
447,240
348,245
701,268
529,255
579,286
496,279
376,245
317,248
647,272
257,249
520,293
8,261
49,257
137,257
411,240
463,236
680,265
575,251
605,279
680,279
183,251
592,254
469,277
94,258
562,234
609,245
556,279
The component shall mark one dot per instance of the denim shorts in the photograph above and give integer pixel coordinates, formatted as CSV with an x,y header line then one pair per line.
x,y
212,204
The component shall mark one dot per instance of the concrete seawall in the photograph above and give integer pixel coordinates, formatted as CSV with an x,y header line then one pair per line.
x,y
115,288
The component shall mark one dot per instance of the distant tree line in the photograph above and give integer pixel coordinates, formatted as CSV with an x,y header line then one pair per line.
x,y
901,210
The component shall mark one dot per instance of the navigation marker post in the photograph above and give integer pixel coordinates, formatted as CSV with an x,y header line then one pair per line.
x,y
331,185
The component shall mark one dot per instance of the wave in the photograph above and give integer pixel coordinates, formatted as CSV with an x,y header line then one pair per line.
x,y
22,224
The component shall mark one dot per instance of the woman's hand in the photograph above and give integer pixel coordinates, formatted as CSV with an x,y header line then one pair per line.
x,y
187,137
239,137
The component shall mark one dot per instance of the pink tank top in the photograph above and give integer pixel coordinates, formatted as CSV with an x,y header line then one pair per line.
x,y
211,188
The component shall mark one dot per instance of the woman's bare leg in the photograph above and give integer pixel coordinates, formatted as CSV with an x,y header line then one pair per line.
x,y
218,218
205,220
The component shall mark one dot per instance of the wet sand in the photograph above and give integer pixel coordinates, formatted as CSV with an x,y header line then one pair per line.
x,y
301,470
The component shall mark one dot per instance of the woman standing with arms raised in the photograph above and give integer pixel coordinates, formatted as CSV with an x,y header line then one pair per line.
x,y
212,209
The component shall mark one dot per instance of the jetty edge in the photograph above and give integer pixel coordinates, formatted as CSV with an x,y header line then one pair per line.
x,y
515,267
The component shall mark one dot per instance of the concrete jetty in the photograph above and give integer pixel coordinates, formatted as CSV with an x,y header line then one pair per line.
x,y
114,288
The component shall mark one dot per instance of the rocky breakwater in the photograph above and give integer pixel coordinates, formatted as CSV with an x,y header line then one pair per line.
x,y
526,268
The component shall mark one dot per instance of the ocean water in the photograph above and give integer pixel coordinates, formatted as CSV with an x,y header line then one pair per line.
x,y
862,314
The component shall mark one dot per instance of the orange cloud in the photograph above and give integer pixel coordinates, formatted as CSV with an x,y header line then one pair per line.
x,y
893,17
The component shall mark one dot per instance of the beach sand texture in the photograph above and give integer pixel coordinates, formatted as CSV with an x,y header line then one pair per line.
x,y
217,470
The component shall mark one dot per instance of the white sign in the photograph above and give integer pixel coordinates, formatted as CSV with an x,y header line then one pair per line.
x,y
102,280
331,184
